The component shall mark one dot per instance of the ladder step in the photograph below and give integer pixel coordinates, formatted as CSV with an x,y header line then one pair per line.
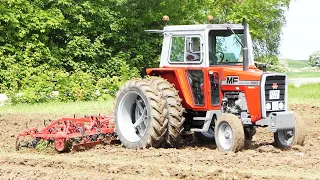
x,y
200,119
196,130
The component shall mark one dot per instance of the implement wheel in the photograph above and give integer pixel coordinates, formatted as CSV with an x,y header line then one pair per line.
x,y
285,139
140,115
62,145
229,133
175,110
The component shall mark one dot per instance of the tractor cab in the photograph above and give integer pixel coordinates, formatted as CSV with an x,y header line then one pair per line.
x,y
205,45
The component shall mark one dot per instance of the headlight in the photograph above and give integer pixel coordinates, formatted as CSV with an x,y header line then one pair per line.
x,y
281,105
268,106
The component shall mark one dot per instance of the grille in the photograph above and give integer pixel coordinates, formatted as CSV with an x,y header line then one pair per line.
x,y
280,81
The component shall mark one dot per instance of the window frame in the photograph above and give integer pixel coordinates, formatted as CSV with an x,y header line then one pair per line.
x,y
185,49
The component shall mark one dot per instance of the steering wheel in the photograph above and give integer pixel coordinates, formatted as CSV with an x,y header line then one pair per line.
x,y
221,55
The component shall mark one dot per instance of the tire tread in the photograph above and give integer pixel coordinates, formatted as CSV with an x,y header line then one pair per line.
x,y
157,115
175,110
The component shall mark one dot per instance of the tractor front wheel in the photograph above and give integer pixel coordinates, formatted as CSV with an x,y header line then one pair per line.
x,y
285,139
140,115
229,133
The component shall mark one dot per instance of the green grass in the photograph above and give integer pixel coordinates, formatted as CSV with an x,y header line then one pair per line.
x,y
297,64
303,74
78,108
305,94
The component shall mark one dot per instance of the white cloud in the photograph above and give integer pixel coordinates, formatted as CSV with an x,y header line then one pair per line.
x,y
301,36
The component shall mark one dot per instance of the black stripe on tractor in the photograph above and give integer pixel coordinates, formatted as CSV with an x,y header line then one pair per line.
x,y
143,72
281,82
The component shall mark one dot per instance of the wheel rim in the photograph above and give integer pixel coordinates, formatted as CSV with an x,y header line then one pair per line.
x,y
60,144
286,137
225,136
132,116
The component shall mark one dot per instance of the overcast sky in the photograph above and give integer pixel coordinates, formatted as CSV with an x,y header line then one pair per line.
x,y
301,36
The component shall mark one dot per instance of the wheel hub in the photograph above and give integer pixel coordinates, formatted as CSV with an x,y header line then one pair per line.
x,y
286,137
289,134
140,121
227,135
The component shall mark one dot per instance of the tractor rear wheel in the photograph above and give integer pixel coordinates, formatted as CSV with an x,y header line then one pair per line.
x,y
175,110
140,115
285,139
229,133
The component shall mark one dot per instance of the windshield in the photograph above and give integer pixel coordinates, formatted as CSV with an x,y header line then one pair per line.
x,y
225,47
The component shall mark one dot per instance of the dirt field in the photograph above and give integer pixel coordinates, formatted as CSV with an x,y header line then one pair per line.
x,y
260,160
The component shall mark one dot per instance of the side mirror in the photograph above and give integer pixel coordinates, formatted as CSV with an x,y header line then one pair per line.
x,y
261,66
216,76
264,67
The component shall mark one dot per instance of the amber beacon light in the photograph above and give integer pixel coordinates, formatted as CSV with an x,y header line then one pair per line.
x,y
210,18
165,19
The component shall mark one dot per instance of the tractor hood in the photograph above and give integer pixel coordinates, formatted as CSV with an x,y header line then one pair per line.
x,y
253,74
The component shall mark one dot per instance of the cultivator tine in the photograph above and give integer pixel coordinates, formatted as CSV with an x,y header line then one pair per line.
x,y
99,126
83,132
18,143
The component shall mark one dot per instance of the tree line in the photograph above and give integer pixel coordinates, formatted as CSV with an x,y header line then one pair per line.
x,y
76,46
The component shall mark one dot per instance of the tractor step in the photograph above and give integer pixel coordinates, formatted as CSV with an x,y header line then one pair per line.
x,y
197,130
201,119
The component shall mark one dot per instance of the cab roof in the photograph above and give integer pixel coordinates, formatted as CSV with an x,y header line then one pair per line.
x,y
200,27
197,27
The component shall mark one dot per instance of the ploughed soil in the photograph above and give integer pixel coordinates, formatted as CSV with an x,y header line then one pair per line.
x,y
194,160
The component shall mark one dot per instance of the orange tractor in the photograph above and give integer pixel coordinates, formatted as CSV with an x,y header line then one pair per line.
x,y
207,83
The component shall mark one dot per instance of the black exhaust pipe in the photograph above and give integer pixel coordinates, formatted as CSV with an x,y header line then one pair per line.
x,y
245,46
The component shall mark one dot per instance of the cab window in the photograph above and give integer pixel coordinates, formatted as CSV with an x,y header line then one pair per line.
x,y
177,49
225,47
186,49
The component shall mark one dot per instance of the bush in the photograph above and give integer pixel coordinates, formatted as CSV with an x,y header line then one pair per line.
x,y
76,86
110,85
314,59
274,64
39,84
35,87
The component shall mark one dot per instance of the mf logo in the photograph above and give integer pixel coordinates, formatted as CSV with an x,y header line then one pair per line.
x,y
274,86
232,79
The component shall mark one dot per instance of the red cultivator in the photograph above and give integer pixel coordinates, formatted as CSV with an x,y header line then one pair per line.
x,y
67,133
